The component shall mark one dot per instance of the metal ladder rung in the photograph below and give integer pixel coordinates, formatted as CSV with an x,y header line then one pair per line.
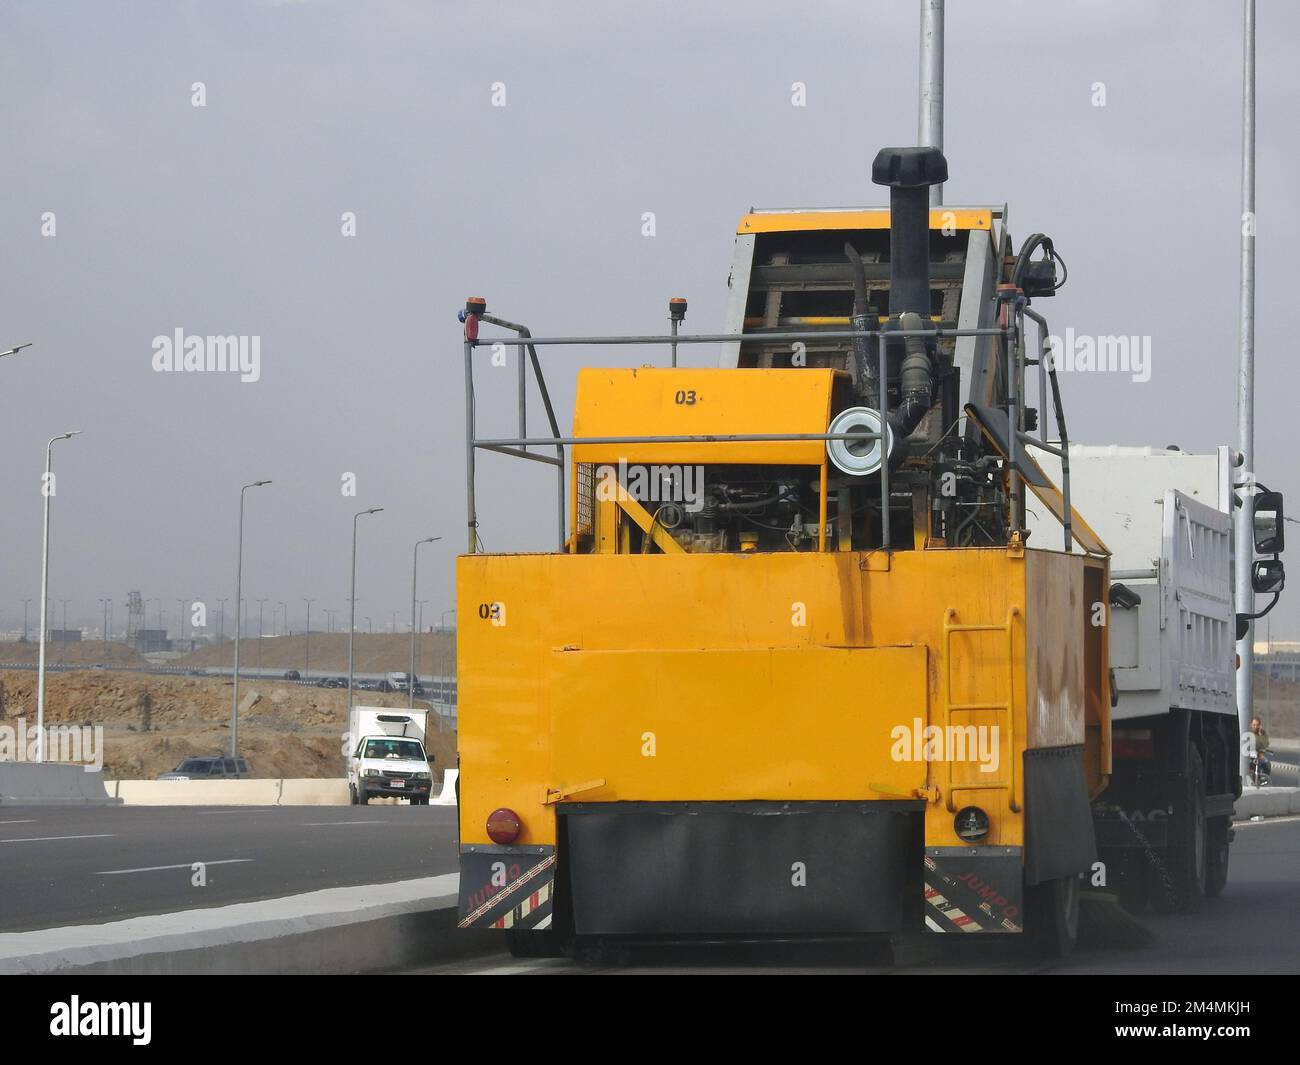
x,y
949,708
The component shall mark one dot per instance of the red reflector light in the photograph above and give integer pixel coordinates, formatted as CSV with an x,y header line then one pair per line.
x,y
503,826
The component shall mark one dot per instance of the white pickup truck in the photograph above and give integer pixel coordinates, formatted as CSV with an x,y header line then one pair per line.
x,y
386,755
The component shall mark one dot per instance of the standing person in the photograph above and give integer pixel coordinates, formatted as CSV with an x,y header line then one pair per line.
x,y
1260,764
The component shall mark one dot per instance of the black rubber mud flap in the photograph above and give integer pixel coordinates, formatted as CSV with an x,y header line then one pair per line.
x,y
741,869
1059,834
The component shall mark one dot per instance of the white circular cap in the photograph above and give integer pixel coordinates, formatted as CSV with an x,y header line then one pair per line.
x,y
858,458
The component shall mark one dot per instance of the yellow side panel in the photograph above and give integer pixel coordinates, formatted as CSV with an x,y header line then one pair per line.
x,y
695,402
801,221
793,723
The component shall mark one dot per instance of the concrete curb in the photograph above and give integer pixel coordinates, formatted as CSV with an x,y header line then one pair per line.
x,y
336,930
1268,802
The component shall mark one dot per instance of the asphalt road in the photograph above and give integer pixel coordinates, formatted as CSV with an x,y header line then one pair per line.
x,y
62,865
1254,927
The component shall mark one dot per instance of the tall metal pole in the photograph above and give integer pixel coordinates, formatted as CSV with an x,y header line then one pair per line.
x,y
1244,553
47,491
415,562
26,602
930,122
239,589
104,603
352,602
180,624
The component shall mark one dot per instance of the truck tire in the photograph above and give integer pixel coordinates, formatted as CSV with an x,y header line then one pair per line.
x,y
1217,850
1180,885
1052,916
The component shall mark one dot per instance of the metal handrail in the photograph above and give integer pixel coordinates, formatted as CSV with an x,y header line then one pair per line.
x,y
517,447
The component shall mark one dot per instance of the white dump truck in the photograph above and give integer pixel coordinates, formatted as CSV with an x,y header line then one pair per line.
x,y
1164,823
386,755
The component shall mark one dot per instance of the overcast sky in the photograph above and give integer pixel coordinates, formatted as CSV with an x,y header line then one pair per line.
x,y
228,219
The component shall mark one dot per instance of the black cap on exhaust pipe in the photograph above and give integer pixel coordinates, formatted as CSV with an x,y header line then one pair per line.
x,y
909,173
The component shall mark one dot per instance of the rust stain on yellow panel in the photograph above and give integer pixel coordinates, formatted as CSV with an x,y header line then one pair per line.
x,y
1056,616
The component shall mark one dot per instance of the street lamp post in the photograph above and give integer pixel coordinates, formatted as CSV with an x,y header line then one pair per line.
x,y
285,608
239,587
105,604
415,562
352,602
47,489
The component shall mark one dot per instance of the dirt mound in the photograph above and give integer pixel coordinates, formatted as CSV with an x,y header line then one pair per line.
x,y
152,722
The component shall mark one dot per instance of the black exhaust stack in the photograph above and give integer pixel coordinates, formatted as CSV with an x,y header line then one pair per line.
x,y
909,173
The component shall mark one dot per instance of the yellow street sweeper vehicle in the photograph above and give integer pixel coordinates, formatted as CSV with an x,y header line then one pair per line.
x,y
822,649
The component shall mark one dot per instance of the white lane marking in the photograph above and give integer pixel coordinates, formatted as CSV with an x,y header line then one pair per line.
x,y
932,924
1267,821
46,839
182,865
29,821
545,922
318,824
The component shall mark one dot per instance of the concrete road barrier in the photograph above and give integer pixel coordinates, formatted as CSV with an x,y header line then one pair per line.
x,y
52,784
447,796
309,792
1268,802
198,792
274,791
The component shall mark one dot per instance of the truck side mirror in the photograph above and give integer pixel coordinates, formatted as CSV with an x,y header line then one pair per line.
x,y
1268,575
1269,539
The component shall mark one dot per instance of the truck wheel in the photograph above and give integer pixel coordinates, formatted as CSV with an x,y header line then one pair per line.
x,y
1052,916
1216,856
1179,886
